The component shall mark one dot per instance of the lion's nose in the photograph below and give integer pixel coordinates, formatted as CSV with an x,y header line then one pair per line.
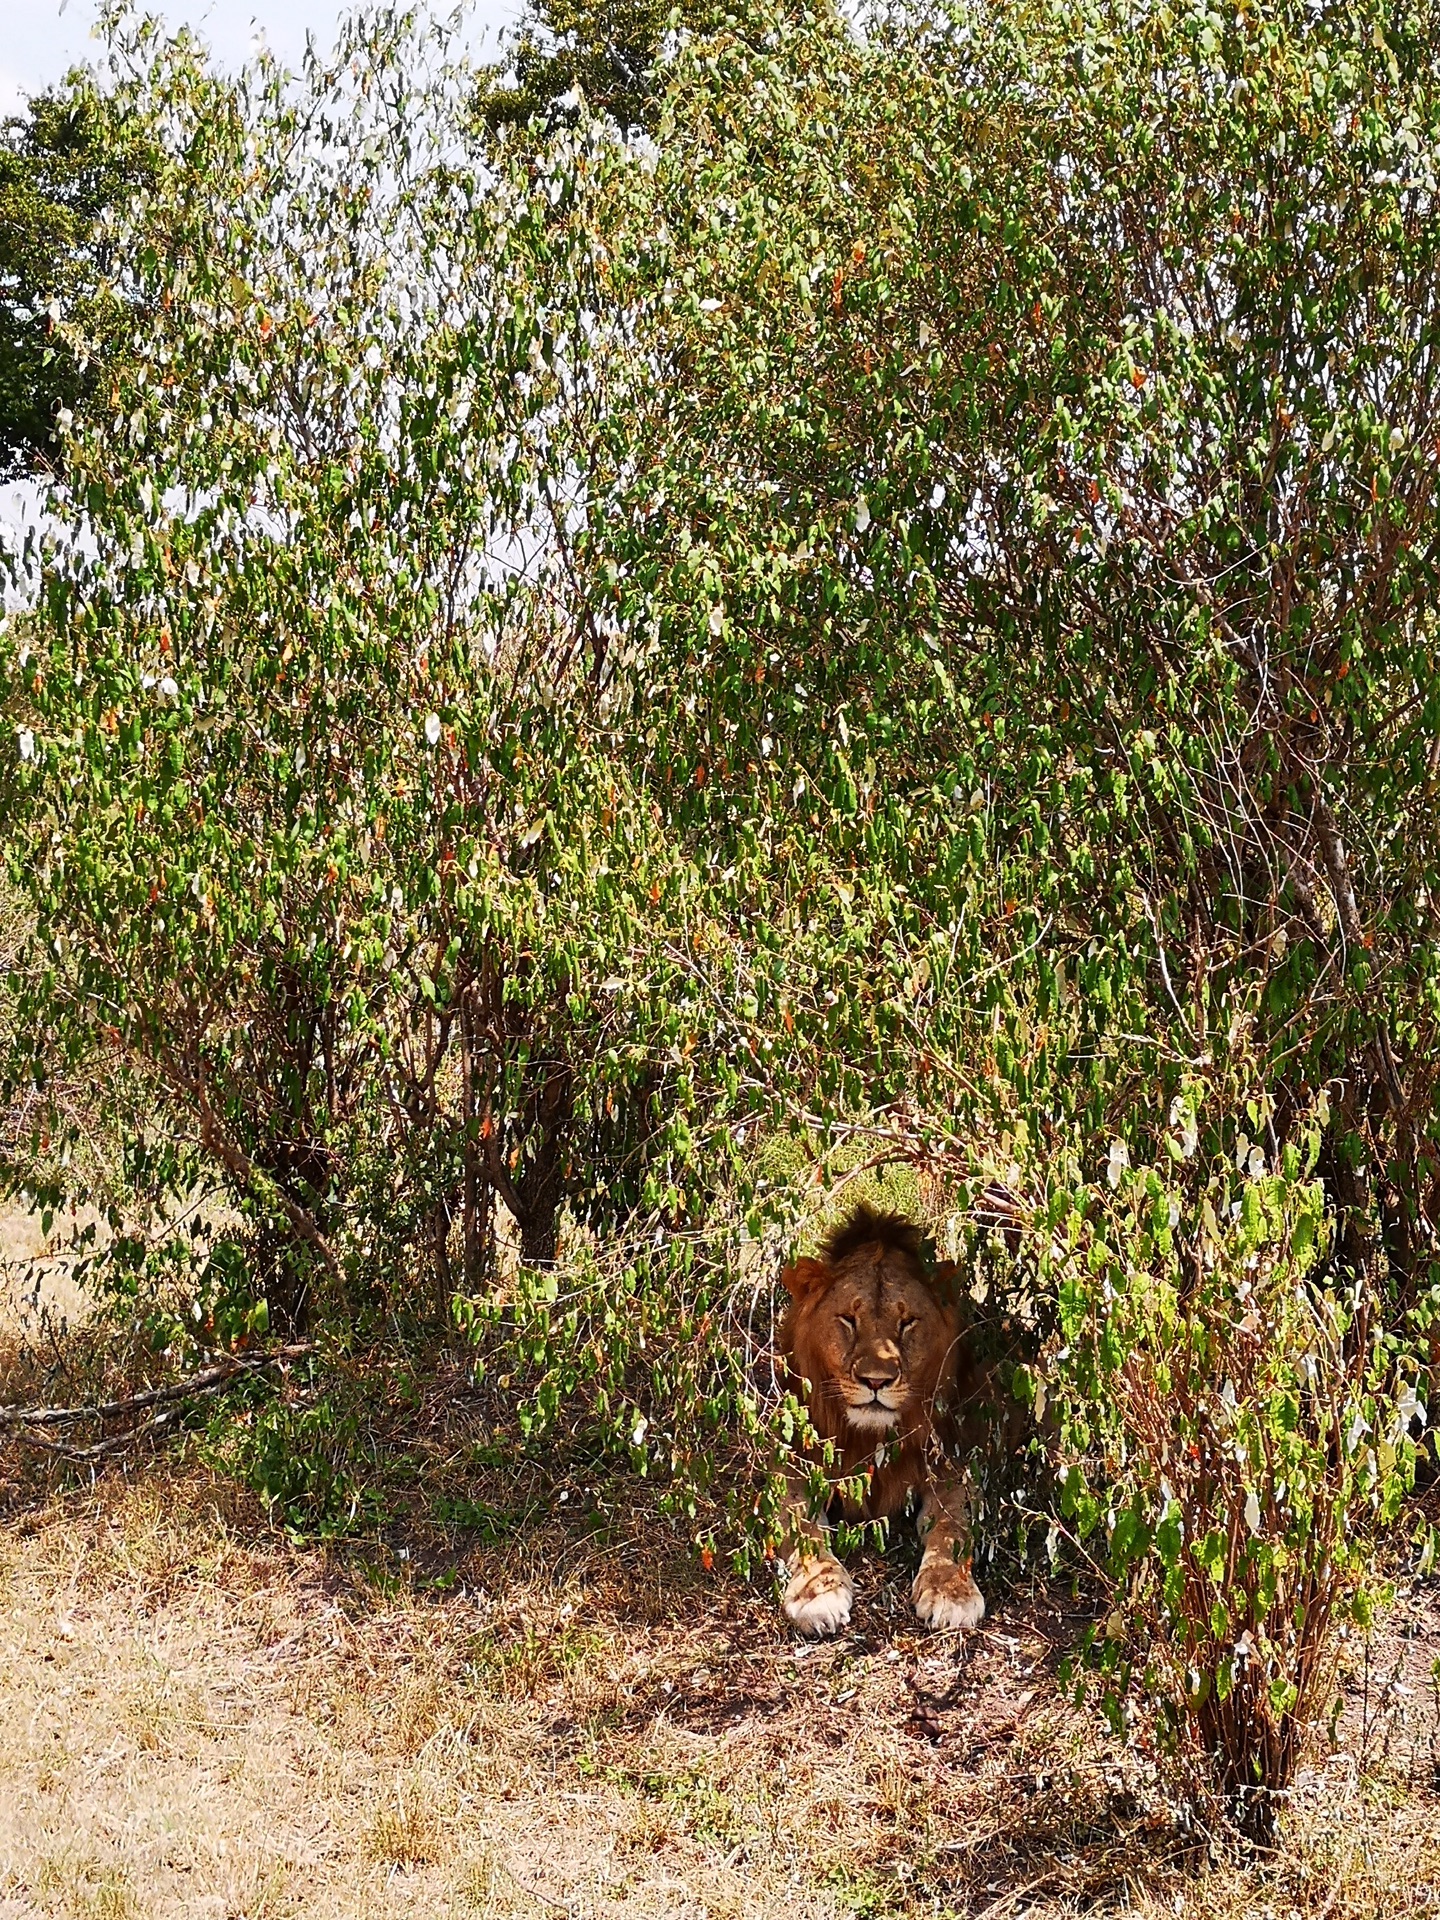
x,y
876,1376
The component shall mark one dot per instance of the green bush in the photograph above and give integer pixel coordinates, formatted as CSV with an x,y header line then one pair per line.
x,y
1238,1426
303,1453
892,620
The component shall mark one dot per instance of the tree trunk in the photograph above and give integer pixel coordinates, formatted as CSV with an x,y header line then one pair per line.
x,y
439,1241
541,1185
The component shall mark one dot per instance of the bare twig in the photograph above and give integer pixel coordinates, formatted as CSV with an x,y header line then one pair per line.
x,y
215,1139
1337,865
232,1365
62,1450
500,1178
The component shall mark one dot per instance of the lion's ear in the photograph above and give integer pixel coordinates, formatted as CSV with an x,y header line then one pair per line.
x,y
806,1276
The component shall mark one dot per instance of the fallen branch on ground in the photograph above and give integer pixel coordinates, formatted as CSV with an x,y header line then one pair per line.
x,y
22,1420
62,1450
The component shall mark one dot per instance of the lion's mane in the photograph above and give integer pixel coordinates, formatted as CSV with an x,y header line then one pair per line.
x,y
885,1245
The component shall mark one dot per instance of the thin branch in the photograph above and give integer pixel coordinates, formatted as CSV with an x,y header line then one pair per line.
x,y
1327,832
202,1382
62,1450
237,1162
500,1178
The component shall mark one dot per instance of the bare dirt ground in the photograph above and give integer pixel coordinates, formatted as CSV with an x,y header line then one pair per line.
x,y
198,1717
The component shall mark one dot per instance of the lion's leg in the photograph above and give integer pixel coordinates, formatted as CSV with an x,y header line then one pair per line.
x,y
944,1591
818,1592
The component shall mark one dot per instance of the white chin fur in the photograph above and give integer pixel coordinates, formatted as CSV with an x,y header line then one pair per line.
x,y
872,1419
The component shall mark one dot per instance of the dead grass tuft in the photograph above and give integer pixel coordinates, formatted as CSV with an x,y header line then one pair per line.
x,y
83,1888
488,1886
404,1829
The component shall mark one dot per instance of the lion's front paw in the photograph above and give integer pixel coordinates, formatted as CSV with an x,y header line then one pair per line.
x,y
946,1596
817,1598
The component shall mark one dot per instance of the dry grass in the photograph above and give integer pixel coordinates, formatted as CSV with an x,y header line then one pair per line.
x,y
34,1288
197,1719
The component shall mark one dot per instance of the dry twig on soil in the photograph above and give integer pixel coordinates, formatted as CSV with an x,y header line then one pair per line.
x,y
23,1420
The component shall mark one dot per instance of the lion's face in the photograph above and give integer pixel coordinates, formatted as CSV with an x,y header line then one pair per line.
x,y
871,1336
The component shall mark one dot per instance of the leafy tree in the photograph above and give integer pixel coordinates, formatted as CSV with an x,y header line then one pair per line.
x,y
1102,477
349,868
65,166
609,51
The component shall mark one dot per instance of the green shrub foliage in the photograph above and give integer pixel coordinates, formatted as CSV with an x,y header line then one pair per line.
x,y
894,612
1051,408
325,783
1234,1420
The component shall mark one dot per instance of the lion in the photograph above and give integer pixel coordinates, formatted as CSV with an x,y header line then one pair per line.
x,y
872,1345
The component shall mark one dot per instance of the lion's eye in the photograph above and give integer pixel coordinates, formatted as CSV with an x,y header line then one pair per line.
x,y
906,1324
846,1321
